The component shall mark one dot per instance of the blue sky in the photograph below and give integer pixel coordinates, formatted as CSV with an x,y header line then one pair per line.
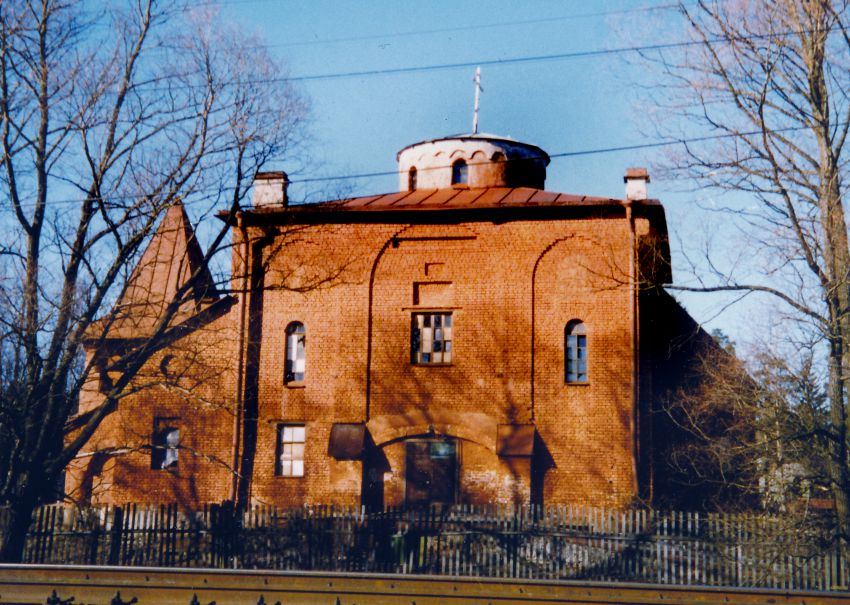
x,y
360,122
562,105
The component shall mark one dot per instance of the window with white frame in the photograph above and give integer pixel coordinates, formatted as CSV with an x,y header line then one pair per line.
x,y
290,450
431,338
296,354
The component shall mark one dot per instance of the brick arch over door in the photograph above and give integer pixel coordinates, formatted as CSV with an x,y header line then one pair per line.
x,y
475,427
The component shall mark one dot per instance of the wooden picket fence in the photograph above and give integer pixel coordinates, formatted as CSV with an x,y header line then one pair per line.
x,y
553,542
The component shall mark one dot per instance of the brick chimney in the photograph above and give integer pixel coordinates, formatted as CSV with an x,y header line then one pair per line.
x,y
636,180
270,189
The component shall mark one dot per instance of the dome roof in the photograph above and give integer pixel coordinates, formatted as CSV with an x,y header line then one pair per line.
x,y
481,136
472,160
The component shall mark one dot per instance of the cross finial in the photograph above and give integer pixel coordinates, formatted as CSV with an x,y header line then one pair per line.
x,y
478,89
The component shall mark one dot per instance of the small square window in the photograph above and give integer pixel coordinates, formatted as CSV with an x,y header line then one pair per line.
x,y
290,450
431,338
165,443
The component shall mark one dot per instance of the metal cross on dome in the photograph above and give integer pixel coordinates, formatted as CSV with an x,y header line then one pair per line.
x,y
478,89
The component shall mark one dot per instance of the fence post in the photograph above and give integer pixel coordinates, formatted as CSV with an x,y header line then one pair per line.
x,y
115,536
221,528
94,538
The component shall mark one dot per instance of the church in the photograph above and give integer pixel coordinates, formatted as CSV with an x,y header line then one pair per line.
x,y
471,338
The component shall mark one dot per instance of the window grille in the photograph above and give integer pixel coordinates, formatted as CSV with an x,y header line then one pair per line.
x,y
431,338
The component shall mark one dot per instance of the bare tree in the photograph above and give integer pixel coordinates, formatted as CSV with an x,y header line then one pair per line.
x,y
770,82
108,118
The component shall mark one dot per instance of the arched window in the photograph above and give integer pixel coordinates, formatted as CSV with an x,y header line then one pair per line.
x,y
575,352
498,157
411,179
165,448
460,173
296,337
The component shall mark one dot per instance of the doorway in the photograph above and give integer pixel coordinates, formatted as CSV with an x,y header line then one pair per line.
x,y
431,472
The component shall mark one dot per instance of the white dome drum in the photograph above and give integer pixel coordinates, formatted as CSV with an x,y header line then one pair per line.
x,y
478,160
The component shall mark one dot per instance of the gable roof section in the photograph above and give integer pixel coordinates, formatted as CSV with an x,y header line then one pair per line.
x,y
168,263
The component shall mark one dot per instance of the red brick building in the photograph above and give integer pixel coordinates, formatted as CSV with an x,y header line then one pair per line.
x,y
471,338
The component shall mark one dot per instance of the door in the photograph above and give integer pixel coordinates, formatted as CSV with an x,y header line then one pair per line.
x,y
430,472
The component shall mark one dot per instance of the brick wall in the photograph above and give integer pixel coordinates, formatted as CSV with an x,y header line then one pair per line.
x,y
511,288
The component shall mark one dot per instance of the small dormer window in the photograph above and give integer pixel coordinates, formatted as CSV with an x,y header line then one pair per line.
x,y
460,173
411,179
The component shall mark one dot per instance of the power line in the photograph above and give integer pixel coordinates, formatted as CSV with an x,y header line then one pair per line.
x,y
486,62
460,65
581,54
459,28
464,28
563,154
571,154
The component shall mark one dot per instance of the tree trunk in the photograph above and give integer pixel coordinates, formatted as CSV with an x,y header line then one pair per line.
x,y
836,254
15,538
838,441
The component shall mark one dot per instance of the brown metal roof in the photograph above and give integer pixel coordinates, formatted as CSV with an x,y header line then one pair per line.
x,y
454,198
465,204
